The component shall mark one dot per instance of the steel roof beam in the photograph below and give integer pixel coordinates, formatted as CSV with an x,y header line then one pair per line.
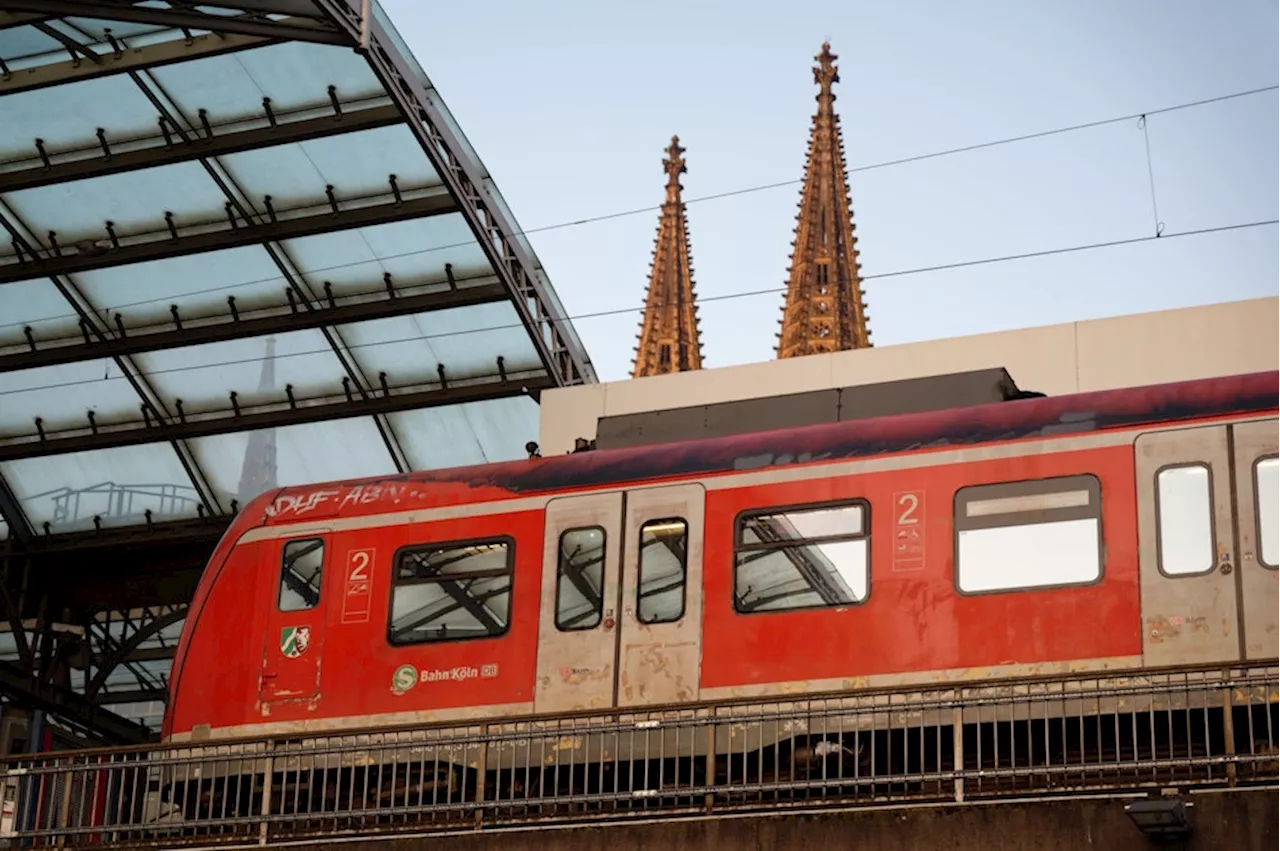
x,y
158,152
244,233
13,515
317,30
228,328
129,59
278,416
30,690
544,322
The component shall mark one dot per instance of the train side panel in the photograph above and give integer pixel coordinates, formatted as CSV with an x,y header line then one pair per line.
x,y
914,620
361,677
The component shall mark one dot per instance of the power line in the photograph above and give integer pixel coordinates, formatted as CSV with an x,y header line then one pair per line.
x,y
697,200
1004,258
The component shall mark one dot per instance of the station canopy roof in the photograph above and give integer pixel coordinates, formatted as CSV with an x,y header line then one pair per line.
x,y
247,246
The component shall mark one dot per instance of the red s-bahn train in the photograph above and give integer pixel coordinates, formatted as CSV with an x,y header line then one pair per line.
x,y
1121,529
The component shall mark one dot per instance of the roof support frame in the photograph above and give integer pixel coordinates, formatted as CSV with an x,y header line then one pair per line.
x,y
293,29
297,282
49,264
11,511
556,345
381,306
286,414
145,392
157,153
70,706
151,56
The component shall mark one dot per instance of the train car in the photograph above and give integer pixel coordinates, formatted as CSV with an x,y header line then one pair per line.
x,y
1125,529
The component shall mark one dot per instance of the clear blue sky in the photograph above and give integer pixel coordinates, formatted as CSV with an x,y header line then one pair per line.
x,y
571,106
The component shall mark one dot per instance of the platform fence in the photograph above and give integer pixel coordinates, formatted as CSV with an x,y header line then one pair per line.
x,y
946,742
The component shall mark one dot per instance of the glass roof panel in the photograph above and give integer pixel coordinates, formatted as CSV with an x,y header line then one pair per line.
x,y
473,433
135,201
113,103
18,43
61,395
118,484
467,340
414,252
294,75
257,369
302,454
96,28
198,283
355,164
36,303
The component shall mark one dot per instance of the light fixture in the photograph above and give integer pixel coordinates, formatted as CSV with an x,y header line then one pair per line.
x,y
1161,819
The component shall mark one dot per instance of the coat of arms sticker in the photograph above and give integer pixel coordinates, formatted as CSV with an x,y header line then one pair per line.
x,y
294,640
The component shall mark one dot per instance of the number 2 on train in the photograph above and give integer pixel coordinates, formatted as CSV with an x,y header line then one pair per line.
x,y
359,586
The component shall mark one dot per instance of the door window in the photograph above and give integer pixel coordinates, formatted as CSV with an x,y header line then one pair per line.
x,y
580,579
1265,472
1184,500
301,568
664,551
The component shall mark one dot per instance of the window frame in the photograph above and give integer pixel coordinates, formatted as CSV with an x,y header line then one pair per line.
x,y
604,567
684,568
739,524
1021,488
1257,508
459,543
1213,520
324,554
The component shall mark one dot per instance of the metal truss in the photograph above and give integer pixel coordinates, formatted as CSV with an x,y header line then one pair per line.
x,y
166,147
112,251
295,412
493,230
379,304
303,25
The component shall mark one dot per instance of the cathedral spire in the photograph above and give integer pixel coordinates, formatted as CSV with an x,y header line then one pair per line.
x,y
258,472
824,309
669,337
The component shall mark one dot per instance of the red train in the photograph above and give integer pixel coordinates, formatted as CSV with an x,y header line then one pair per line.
x,y
1118,529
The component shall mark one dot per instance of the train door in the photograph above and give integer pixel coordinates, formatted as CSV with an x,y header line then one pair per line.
x,y
1258,518
660,622
294,636
1207,594
577,629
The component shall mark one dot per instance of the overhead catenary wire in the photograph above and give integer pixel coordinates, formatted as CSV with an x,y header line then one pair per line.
x,y
763,187
961,264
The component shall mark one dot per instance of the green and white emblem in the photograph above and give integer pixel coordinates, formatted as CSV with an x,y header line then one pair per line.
x,y
294,640
405,677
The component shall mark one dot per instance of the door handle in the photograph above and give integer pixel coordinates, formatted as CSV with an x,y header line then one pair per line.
x,y
269,676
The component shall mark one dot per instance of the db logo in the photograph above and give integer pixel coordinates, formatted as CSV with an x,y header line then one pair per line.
x,y
405,677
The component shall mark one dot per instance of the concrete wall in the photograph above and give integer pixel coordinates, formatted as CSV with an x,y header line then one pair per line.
x,y
1239,821
1101,354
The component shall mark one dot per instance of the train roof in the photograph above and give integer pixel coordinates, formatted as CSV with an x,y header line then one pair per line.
x,y
1017,419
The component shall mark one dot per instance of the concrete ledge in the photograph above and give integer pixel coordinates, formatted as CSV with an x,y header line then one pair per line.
x,y
1240,820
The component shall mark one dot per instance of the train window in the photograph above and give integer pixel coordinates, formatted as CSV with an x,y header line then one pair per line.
x,y
449,592
301,568
1044,533
1184,520
1266,479
801,558
580,579
664,550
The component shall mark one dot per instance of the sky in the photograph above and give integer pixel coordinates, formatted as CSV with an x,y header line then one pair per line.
x,y
571,104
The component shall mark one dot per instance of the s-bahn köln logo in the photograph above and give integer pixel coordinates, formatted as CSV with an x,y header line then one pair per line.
x,y
407,676
294,640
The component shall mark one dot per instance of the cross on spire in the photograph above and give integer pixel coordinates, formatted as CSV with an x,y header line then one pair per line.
x,y
674,167
825,74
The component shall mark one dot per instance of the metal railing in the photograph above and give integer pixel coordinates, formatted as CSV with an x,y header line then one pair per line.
x,y
945,742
